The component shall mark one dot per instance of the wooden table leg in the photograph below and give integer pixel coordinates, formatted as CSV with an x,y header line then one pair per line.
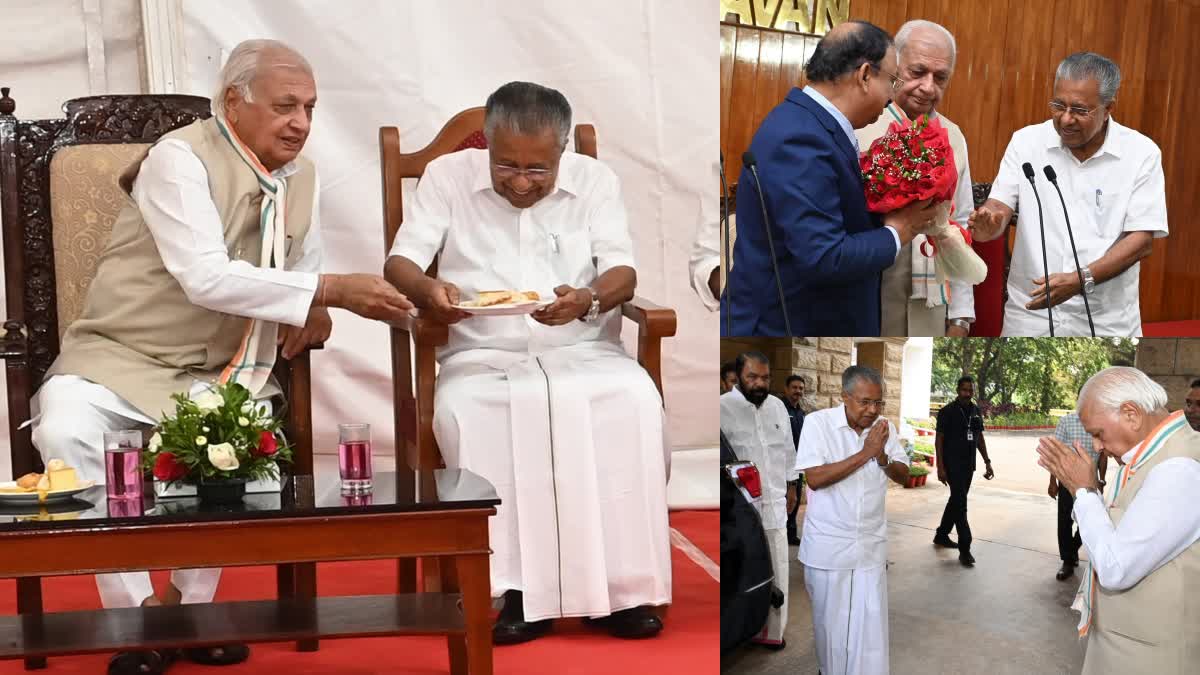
x,y
305,575
448,583
29,601
475,581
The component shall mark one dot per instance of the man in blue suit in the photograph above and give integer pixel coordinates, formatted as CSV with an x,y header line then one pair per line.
x,y
830,249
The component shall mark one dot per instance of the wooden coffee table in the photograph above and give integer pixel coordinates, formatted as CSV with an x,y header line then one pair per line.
x,y
294,530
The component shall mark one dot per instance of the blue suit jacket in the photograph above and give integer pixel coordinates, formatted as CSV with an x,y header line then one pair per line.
x,y
831,250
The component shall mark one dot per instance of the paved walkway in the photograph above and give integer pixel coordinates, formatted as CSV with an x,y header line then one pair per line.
x,y
1006,616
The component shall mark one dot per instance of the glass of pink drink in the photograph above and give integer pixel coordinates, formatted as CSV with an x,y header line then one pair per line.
x,y
354,457
122,465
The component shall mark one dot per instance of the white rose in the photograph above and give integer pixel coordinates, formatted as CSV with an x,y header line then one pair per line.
x,y
208,401
243,422
155,442
247,407
200,440
222,456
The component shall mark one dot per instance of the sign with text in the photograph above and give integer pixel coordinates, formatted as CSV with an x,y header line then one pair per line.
x,y
809,17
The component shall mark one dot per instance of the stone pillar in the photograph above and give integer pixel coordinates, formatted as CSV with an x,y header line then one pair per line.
x,y
1171,362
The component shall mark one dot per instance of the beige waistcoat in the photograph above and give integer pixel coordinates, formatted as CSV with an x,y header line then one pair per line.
x,y
138,334
1153,627
901,314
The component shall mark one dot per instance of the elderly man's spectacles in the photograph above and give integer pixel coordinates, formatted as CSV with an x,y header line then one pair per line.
x,y
1057,109
506,171
867,403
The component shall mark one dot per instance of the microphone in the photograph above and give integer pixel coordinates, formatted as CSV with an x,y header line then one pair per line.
x,y
1028,169
727,298
750,163
1050,176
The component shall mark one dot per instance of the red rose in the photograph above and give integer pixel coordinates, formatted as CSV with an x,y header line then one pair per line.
x,y
267,445
166,468
891,179
914,146
925,168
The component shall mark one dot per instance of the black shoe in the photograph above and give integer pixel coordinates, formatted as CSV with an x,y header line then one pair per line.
x,y
966,559
1067,570
511,627
146,662
771,646
944,541
222,655
630,624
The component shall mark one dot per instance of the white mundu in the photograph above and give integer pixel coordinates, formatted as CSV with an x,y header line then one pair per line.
x,y
560,419
1119,189
844,547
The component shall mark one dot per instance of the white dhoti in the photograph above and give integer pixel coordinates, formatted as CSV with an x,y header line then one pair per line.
x,y
850,619
71,415
572,439
772,632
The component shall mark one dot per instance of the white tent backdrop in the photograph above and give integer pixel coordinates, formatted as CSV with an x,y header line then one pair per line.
x,y
644,72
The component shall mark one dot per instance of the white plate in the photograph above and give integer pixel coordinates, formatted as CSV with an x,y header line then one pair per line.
x,y
32,497
507,309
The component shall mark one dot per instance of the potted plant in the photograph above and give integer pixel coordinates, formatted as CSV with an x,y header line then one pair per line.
x,y
217,441
916,476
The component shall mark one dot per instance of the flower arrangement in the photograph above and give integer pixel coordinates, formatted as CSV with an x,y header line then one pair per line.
x,y
911,163
220,434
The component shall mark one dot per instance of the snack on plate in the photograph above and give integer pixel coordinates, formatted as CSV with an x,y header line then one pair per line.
x,y
493,298
58,476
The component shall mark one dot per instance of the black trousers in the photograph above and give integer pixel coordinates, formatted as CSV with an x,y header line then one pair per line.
x,y
791,524
1068,543
955,514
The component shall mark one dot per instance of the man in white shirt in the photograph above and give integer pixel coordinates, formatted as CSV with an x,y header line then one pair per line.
x,y
1140,602
180,278
547,406
847,454
911,305
1111,178
757,425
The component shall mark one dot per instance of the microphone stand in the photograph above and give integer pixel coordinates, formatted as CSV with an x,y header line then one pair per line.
x,y
1028,168
750,163
727,314
1049,171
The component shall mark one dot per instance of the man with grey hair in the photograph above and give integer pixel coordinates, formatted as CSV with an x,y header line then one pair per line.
x,y
927,54
847,454
1140,601
204,278
1112,181
547,406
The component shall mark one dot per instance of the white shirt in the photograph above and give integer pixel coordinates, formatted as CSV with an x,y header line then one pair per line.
x,y
172,193
844,525
571,236
763,435
706,257
1161,522
1119,189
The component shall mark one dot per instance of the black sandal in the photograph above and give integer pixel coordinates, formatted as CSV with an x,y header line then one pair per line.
x,y
148,662
220,655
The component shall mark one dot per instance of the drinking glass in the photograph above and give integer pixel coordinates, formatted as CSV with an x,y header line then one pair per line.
x,y
354,457
122,465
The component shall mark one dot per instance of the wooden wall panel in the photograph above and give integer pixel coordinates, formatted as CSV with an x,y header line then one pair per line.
x,y
1008,50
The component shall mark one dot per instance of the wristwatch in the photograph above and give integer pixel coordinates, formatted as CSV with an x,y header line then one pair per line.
x,y
1089,282
1079,493
594,310
961,323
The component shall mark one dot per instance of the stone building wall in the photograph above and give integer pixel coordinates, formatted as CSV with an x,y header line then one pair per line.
x,y
1171,362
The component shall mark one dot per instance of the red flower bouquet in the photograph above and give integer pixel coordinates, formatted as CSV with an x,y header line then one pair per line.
x,y
907,164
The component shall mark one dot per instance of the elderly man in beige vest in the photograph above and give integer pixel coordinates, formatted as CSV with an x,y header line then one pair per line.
x,y
1140,601
189,275
927,53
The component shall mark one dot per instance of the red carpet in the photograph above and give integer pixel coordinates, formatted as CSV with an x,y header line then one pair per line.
x,y
1172,329
688,643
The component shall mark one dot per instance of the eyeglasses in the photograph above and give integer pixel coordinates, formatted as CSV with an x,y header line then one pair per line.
x,y
506,171
896,81
1057,109
867,403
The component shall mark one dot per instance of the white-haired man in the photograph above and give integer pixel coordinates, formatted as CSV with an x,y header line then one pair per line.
x,y
546,406
189,275
847,454
1112,181
1140,602
912,304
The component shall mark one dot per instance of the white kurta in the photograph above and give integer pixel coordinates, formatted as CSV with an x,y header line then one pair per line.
x,y
71,414
560,419
844,547
1119,189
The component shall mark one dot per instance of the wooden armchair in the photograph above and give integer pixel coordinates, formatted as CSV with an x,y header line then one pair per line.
x,y
415,340
59,198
